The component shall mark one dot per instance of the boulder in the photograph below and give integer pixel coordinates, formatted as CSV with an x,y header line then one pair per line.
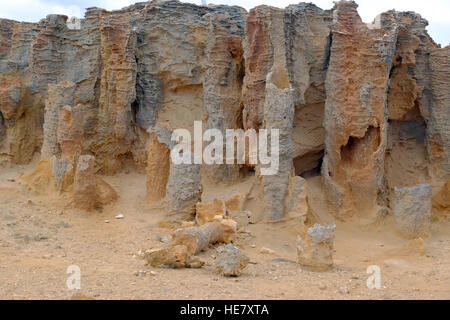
x,y
197,239
230,261
412,210
315,251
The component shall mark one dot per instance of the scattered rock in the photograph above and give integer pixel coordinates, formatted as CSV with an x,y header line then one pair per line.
x,y
64,224
194,262
168,257
163,239
230,261
198,239
284,260
205,212
120,216
412,210
344,290
80,296
172,256
316,250
265,250
40,237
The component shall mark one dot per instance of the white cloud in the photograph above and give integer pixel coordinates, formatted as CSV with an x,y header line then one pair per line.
x,y
70,11
115,4
437,12
34,10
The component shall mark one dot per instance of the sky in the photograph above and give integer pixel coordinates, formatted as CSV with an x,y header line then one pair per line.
x,y
437,12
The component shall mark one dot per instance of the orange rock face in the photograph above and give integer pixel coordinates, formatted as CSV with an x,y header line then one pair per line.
x,y
355,111
365,106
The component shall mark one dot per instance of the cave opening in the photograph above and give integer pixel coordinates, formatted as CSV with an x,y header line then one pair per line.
x,y
310,164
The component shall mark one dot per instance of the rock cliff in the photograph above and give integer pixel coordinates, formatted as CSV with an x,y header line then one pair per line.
x,y
366,106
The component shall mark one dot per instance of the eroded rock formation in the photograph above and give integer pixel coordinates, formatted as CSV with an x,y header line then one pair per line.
x,y
366,106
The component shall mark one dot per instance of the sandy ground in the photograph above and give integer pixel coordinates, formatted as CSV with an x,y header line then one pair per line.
x,y
40,239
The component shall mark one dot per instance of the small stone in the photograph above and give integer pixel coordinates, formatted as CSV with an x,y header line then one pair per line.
x,y
194,262
344,290
106,221
64,224
80,296
120,216
266,251
163,239
40,237
140,273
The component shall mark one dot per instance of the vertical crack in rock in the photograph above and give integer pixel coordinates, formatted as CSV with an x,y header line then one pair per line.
x,y
355,110
308,36
223,82
364,105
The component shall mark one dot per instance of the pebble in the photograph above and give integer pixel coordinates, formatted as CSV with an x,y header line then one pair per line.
x,y
120,216
344,290
64,224
106,221
163,239
266,250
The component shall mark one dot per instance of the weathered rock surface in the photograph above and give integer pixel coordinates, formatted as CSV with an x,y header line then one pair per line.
x,y
85,184
230,261
296,200
412,210
363,105
198,239
315,251
168,257
441,201
206,212
355,110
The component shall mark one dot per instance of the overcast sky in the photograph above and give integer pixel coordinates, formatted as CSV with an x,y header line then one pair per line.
x,y
437,12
